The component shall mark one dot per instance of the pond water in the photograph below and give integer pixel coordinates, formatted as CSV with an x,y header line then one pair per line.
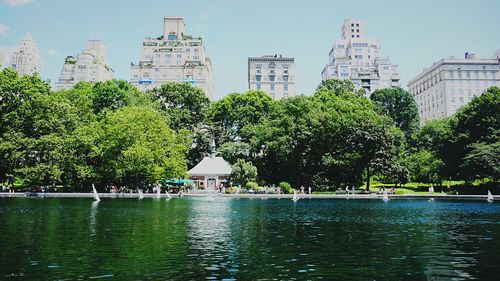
x,y
248,239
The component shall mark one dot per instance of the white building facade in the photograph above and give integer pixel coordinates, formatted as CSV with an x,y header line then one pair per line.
x,y
448,84
173,57
26,58
274,75
358,59
90,65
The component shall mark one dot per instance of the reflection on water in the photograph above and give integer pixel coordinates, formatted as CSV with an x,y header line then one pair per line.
x,y
93,212
248,239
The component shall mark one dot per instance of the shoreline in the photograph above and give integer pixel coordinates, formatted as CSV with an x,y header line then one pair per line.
x,y
261,196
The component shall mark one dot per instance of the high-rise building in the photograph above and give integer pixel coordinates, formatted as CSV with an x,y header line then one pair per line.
x,y
173,57
358,59
26,58
2,61
90,65
451,83
274,75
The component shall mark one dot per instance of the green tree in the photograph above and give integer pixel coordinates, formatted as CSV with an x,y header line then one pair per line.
x,y
424,166
186,105
200,146
327,140
243,172
232,151
477,122
400,106
232,113
482,162
138,147
339,87
113,94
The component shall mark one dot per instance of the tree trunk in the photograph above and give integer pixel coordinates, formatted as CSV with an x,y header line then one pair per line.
x,y
368,178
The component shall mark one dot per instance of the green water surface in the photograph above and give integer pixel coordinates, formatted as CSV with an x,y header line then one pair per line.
x,y
248,239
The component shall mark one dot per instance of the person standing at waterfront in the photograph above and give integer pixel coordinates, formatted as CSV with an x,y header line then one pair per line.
x,y
302,189
309,190
431,190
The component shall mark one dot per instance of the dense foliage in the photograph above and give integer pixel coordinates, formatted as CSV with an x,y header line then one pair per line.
x,y
109,133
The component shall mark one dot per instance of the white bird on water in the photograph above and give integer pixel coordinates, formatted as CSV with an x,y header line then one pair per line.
x,y
96,196
490,197
141,194
168,195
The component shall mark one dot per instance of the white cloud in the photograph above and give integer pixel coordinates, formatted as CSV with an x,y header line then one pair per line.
x,y
3,29
17,2
52,52
203,16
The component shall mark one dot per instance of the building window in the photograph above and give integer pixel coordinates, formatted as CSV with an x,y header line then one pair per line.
x,y
258,69
188,50
258,86
285,70
271,69
452,99
258,78
196,50
461,99
271,78
285,87
285,78
272,87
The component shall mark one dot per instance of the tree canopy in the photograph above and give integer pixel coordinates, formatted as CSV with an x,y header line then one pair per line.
x,y
400,106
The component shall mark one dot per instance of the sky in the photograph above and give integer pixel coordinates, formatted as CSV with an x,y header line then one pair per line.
x,y
413,34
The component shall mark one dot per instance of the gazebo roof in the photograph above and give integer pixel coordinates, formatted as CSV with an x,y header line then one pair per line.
x,y
211,166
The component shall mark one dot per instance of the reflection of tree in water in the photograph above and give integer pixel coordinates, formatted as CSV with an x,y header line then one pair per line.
x,y
212,252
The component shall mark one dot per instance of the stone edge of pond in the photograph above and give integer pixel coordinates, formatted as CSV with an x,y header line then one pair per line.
x,y
261,196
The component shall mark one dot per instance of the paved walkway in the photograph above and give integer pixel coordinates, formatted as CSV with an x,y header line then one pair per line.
x,y
289,196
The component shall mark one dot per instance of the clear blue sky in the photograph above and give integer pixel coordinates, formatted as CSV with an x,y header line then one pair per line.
x,y
412,33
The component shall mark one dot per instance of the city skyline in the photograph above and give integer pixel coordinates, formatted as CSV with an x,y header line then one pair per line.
x,y
413,36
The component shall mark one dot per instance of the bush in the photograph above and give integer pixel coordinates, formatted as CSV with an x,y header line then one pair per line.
x,y
251,185
285,187
258,189
231,190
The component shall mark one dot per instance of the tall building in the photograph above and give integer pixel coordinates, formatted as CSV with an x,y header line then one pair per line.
x,y
26,58
274,75
90,65
356,58
173,57
451,83
2,61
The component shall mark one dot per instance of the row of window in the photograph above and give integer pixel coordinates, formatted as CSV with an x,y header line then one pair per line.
x,y
272,78
473,67
258,69
273,87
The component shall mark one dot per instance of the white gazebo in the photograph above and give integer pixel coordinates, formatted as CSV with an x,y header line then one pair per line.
x,y
211,171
